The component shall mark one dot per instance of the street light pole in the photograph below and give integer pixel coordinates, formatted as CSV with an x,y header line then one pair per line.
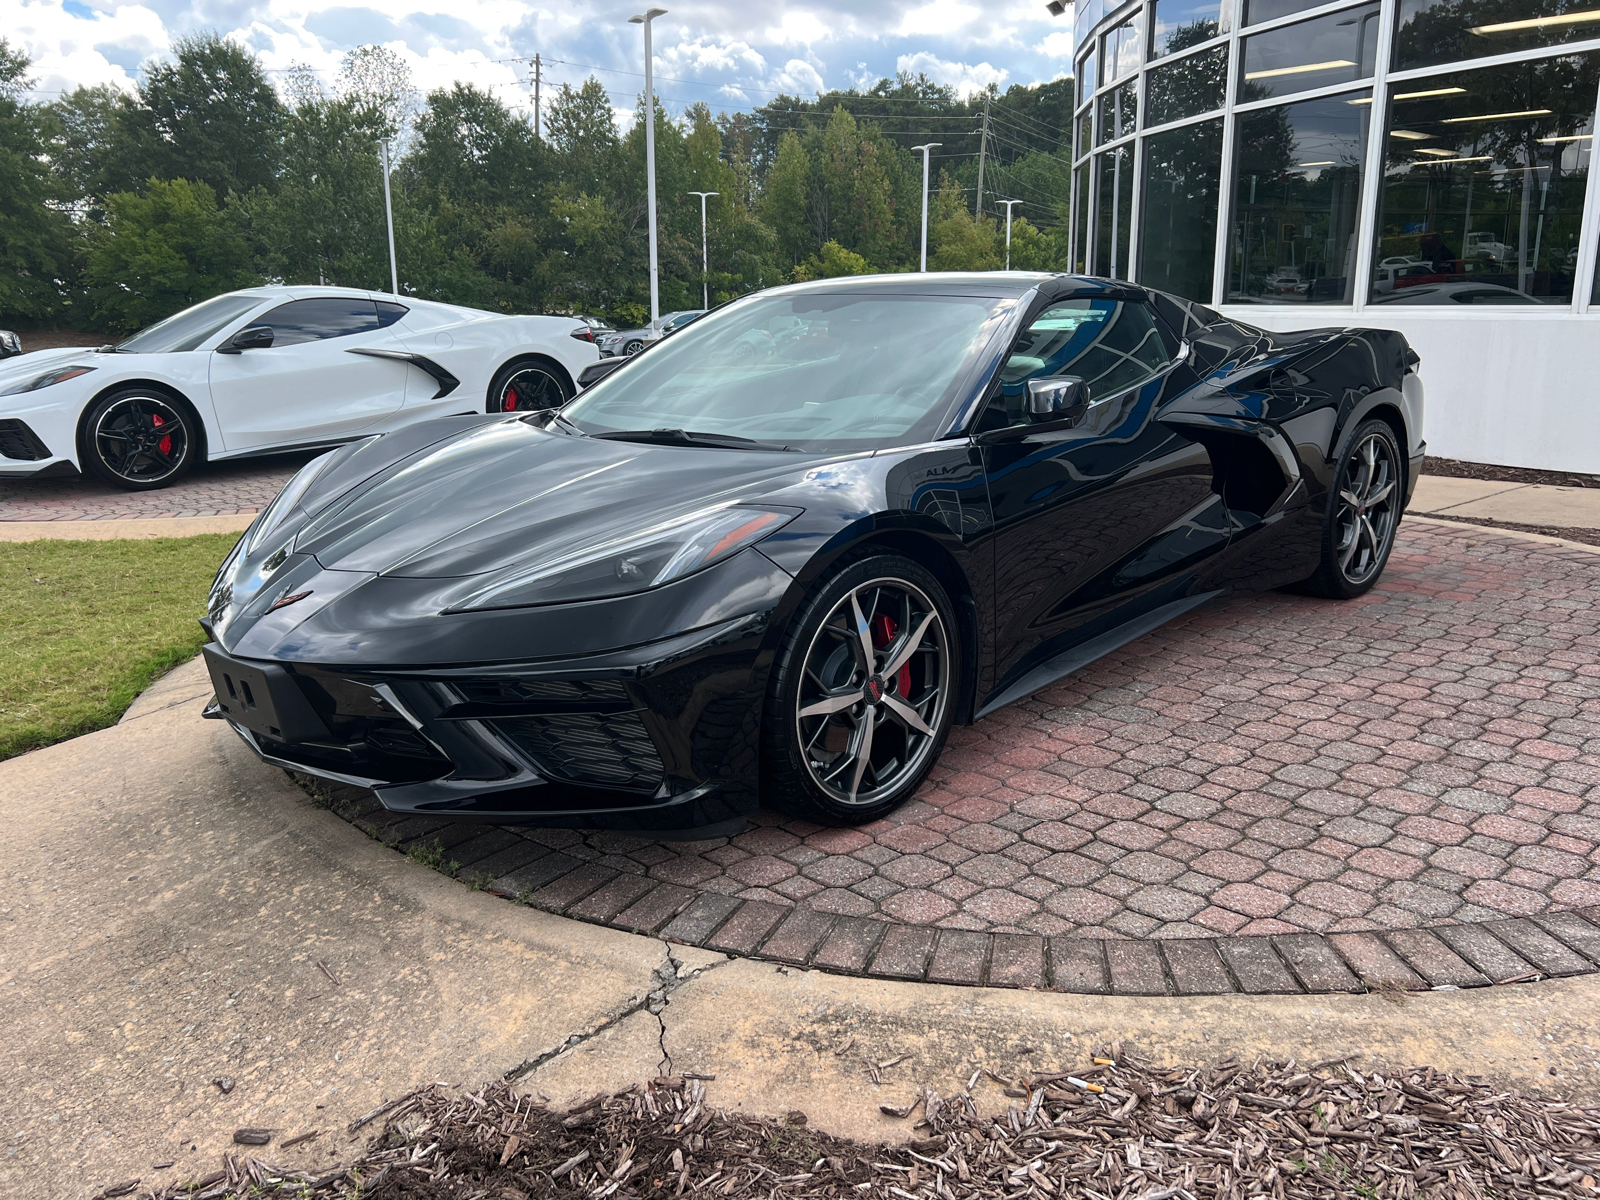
x,y
926,150
388,212
1008,204
644,19
705,294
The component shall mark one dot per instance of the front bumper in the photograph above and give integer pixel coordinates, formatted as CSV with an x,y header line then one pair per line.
x,y
659,738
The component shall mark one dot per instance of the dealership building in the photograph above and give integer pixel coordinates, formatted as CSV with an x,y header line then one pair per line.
x,y
1421,165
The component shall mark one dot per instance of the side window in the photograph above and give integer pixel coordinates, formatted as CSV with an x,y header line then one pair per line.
x,y
325,317
1112,345
389,313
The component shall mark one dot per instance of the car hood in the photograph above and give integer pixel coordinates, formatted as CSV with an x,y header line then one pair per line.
x,y
509,493
22,367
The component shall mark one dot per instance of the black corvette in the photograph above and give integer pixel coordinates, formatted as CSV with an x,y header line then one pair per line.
x,y
776,556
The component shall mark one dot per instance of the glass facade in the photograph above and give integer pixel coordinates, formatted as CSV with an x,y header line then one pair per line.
x,y
1483,185
1296,197
1338,48
1179,24
1280,161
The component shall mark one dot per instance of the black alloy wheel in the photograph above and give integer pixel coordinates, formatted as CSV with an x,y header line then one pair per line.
x,y
139,439
527,385
862,693
1363,513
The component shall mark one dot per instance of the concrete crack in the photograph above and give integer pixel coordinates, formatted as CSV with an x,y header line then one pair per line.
x,y
665,978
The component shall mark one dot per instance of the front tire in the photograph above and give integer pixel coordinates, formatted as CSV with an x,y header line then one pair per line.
x,y
1364,508
527,385
633,347
139,439
862,693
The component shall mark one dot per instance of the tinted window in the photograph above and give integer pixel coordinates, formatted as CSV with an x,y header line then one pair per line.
x,y
326,317
1182,181
1337,48
1440,31
1296,190
1112,345
1257,11
389,313
187,329
1188,87
1484,180
1180,24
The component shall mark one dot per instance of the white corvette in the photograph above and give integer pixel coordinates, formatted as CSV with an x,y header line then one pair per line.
x,y
271,369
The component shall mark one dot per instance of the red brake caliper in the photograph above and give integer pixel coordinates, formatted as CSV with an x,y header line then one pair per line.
x,y
165,444
883,631
509,404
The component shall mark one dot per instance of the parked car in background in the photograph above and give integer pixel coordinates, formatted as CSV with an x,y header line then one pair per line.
x,y
717,579
597,327
1444,290
10,344
629,342
271,369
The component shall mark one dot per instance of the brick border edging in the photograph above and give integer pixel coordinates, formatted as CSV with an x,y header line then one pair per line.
x,y
1510,950
1502,951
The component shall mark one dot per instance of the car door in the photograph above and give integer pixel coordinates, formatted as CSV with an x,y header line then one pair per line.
x,y
312,384
1093,519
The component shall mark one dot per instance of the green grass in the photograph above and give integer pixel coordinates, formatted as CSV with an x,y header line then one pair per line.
x,y
86,626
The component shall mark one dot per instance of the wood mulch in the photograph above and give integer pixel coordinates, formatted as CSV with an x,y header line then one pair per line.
x,y
1114,1129
1457,469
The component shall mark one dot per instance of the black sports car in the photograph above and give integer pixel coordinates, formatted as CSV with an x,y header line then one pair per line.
x,y
723,576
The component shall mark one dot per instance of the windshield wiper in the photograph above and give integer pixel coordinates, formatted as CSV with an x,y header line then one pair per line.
x,y
687,437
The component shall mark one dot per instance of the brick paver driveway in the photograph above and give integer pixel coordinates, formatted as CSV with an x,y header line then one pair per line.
x,y
210,490
1271,764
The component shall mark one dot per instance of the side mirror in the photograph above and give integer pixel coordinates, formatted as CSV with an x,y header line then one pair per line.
x,y
1061,397
596,371
255,337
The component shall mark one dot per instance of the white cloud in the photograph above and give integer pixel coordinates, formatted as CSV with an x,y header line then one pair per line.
x,y
940,17
963,78
1058,45
798,78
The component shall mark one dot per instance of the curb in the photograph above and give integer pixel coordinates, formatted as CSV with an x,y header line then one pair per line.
x,y
123,527
1505,951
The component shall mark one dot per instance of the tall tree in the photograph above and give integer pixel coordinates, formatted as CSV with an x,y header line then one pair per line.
x,y
785,205
34,235
163,251
208,115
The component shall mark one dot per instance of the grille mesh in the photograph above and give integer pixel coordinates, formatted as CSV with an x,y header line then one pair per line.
x,y
601,749
18,441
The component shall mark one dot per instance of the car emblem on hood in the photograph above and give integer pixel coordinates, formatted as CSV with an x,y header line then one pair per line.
x,y
286,600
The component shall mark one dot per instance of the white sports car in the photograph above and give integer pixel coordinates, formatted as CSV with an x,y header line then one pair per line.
x,y
271,369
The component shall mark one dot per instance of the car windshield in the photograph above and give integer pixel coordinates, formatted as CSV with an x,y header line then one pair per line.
x,y
187,329
826,371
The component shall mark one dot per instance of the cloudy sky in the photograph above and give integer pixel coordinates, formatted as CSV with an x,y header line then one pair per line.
x,y
730,53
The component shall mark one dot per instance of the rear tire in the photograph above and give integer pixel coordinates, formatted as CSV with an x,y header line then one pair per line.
x,y
850,733
140,439
1364,508
527,385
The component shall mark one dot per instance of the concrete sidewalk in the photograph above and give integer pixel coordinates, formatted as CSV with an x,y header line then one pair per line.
x,y
179,913
1521,503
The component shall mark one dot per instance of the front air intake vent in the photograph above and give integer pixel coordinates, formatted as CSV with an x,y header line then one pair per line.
x,y
18,441
597,749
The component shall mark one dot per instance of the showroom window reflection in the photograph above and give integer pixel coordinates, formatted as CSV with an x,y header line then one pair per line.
x,y
1179,24
1431,32
1483,185
1296,196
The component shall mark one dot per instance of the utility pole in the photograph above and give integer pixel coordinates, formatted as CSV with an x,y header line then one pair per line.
x,y
388,212
983,149
537,73
926,150
644,19
1009,204
705,293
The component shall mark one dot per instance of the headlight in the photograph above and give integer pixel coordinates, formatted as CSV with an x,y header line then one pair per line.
x,y
59,375
637,561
